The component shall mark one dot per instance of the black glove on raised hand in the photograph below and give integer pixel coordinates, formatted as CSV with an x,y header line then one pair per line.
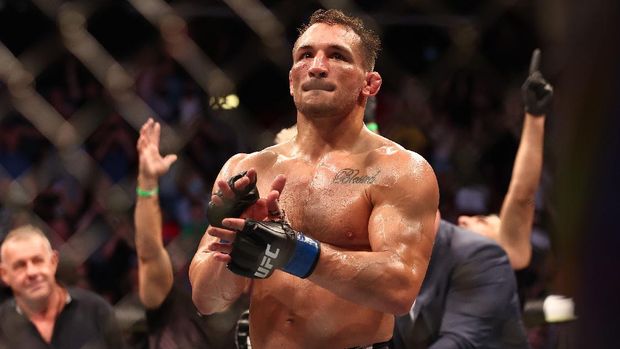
x,y
232,208
537,92
261,247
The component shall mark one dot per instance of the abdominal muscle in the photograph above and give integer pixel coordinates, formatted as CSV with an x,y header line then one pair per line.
x,y
289,312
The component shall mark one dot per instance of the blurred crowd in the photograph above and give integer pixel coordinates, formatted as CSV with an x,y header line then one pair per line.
x,y
38,181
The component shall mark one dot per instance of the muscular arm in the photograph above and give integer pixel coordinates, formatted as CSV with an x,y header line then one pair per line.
x,y
517,213
401,230
214,287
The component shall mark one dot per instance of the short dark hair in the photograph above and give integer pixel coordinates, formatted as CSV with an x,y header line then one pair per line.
x,y
371,44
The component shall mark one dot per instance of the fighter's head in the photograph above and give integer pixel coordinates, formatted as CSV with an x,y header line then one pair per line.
x,y
333,62
369,42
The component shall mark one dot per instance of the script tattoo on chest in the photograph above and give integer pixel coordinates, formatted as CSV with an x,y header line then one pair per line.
x,y
352,176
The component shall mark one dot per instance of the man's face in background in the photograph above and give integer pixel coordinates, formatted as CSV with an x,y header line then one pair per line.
x,y
28,267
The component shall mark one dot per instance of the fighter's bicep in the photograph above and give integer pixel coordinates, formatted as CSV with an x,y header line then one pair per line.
x,y
404,215
392,230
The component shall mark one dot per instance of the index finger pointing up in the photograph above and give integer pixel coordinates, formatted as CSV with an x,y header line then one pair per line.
x,y
535,62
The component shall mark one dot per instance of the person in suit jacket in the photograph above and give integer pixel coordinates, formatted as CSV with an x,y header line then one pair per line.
x,y
468,298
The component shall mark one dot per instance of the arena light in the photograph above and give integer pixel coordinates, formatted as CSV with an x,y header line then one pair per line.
x,y
231,102
228,102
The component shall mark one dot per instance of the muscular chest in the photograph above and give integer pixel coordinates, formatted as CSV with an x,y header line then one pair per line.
x,y
330,201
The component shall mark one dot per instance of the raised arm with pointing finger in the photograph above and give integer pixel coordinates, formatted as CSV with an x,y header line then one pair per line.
x,y
514,227
469,295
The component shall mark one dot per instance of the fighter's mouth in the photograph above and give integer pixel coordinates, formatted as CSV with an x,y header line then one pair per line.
x,y
317,85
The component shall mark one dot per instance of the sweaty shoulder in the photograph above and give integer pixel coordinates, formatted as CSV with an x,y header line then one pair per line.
x,y
405,177
400,164
243,161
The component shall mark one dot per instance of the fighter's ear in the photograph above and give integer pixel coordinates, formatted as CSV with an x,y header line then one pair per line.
x,y
373,84
290,82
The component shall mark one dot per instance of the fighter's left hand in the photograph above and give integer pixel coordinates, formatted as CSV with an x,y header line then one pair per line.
x,y
223,246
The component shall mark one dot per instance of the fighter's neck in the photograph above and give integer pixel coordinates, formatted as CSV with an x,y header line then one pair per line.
x,y
316,137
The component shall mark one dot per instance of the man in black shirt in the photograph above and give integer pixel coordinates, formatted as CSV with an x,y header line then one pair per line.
x,y
42,313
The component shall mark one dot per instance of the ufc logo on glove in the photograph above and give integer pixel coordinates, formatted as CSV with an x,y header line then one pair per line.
x,y
263,246
265,266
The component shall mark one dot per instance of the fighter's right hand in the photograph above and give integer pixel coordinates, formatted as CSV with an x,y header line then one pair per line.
x,y
537,92
233,198
267,208
239,197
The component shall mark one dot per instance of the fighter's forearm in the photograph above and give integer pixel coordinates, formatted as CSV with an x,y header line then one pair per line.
x,y
214,288
378,280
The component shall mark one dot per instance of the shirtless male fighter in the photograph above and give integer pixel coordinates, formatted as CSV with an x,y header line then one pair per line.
x,y
332,258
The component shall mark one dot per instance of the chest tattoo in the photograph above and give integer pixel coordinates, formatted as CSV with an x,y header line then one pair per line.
x,y
352,176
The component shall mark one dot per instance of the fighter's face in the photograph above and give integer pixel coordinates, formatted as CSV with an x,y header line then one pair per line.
x,y
327,76
28,267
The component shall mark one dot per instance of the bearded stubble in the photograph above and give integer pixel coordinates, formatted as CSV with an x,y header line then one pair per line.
x,y
327,107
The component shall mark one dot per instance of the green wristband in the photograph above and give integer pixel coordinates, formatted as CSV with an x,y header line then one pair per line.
x,y
147,193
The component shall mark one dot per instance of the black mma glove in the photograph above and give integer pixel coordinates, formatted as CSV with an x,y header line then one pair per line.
x,y
261,247
232,208
537,92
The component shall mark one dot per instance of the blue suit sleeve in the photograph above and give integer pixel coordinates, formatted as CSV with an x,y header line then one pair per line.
x,y
482,286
